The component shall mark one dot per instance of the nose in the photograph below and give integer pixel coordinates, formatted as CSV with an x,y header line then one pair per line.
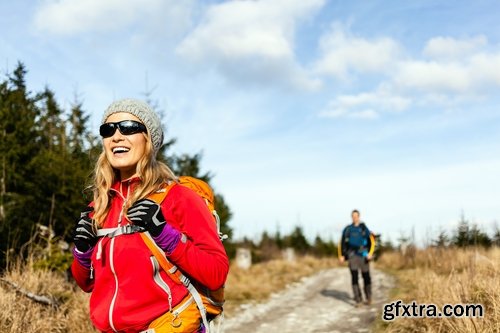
x,y
117,136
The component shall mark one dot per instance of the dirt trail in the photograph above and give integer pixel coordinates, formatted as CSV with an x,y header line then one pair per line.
x,y
321,304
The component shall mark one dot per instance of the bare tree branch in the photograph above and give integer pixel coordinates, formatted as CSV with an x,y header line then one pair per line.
x,y
36,298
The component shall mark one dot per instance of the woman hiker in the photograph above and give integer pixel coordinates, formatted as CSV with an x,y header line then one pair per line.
x,y
130,292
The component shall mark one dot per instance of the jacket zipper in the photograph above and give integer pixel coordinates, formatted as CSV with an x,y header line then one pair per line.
x,y
159,281
113,300
111,258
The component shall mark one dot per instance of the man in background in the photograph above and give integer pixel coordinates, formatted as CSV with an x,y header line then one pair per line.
x,y
357,246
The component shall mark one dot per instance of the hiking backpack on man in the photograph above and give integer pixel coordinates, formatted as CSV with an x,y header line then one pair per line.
x,y
357,246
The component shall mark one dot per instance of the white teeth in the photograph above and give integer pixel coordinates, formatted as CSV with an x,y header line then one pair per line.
x,y
120,150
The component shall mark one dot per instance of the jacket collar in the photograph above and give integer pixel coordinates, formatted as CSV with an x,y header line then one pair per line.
x,y
123,187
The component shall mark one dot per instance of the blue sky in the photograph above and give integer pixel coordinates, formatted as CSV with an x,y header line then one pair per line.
x,y
304,110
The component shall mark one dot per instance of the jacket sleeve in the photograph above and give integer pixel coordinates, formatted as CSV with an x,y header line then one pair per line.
x,y
202,256
342,248
82,276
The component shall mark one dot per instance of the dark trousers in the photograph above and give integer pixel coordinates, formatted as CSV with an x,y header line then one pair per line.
x,y
356,264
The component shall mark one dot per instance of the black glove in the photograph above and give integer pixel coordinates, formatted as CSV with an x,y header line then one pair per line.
x,y
147,214
85,236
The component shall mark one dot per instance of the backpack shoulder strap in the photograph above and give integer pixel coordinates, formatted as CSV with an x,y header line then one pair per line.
x,y
166,264
160,195
363,227
176,275
347,232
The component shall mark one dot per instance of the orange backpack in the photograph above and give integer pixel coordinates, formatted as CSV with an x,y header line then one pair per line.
x,y
209,301
201,188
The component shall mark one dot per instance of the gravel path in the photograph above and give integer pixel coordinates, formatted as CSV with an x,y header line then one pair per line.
x,y
319,303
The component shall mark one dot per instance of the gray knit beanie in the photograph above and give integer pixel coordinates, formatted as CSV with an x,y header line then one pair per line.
x,y
142,111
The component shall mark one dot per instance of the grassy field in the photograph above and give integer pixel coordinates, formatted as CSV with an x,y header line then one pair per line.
x,y
446,276
18,314
425,276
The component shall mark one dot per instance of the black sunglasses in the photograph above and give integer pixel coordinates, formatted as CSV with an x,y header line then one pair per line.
x,y
126,127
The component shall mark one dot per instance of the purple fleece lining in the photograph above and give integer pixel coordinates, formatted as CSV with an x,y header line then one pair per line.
x,y
83,257
168,239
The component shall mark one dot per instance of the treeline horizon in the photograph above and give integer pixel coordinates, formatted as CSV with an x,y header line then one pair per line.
x,y
271,245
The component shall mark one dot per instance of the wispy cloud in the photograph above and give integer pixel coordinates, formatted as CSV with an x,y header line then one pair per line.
x,y
433,76
453,48
68,17
448,72
343,53
252,41
474,74
366,105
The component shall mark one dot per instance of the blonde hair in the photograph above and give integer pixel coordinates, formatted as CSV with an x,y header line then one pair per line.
x,y
152,173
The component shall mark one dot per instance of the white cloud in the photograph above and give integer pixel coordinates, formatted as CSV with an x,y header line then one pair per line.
x,y
456,71
71,17
473,75
452,48
433,76
485,68
251,41
341,53
335,112
366,105
466,67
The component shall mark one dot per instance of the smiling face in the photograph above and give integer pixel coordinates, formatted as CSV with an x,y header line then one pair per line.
x,y
124,151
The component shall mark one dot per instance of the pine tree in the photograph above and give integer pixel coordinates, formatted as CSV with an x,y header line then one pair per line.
x,y
41,177
323,248
297,240
478,237
267,247
496,235
442,240
18,147
462,236
78,134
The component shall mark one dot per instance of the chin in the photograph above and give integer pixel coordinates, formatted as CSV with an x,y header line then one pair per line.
x,y
124,168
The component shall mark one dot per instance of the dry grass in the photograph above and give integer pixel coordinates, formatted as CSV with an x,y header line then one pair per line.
x,y
20,314
440,277
431,276
263,279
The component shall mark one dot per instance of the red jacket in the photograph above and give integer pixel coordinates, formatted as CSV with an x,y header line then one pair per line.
x,y
126,297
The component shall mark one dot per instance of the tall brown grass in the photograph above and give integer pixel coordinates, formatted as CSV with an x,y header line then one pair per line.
x,y
18,314
446,276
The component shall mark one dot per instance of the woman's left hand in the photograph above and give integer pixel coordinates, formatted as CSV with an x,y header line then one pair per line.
x,y
147,214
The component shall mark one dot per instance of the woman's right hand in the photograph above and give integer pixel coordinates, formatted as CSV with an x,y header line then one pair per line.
x,y
85,236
